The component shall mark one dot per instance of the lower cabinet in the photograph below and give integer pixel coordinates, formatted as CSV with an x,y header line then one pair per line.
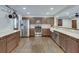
x,y
3,45
32,32
67,43
46,32
72,45
62,41
9,42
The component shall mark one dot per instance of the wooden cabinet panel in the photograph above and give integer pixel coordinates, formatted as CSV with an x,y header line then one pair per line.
x,y
74,24
72,45
2,45
45,32
12,41
11,45
9,42
62,40
44,21
59,22
51,35
32,21
32,32
69,44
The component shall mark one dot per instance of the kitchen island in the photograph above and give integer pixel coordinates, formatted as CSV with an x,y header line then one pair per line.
x,y
9,40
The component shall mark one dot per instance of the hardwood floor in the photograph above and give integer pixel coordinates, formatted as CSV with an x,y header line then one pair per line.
x,y
37,45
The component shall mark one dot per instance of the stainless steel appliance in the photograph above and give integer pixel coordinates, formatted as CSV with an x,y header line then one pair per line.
x,y
25,28
38,30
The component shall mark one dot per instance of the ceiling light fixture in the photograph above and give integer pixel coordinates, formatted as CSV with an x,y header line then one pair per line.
x,y
51,8
24,8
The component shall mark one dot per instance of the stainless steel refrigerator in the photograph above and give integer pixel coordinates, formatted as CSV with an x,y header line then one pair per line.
x,y
25,28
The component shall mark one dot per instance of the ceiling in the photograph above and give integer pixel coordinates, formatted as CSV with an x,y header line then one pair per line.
x,y
62,11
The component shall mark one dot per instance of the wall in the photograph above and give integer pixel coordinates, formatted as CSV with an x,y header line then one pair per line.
x,y
5,23
67,23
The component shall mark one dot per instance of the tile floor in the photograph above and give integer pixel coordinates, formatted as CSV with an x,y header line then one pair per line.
x,y
37,45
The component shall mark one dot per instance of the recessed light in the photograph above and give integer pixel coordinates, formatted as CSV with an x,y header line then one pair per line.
x,y
28,12
51,8
24,8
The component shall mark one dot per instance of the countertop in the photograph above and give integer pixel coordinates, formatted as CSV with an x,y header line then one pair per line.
x,y
71,32
7,32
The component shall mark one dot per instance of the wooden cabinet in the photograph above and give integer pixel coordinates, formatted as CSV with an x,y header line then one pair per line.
x,y
67,43
44,21
12,41
46,32
51,35
32,32
3,45
35,20
59,22
9,42
32,21
62,41
49,20
72,45
74,24
56,37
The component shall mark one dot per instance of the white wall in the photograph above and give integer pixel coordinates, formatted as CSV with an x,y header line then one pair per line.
x,y
67,23
5,23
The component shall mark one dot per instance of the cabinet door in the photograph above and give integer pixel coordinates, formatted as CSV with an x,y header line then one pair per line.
x,y
62,40
32,32
48,21
12,41
59,22
74,24
45,32
51,19
44,21
3,45
51,34
32,21
72,45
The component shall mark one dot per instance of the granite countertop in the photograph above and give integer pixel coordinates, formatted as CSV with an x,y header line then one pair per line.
x,y
7,32
67,31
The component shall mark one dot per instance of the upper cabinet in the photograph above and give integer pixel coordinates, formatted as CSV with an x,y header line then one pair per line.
x,y
59,22
36,20
74,24
41,20
32,21
44,21
48,20
51,21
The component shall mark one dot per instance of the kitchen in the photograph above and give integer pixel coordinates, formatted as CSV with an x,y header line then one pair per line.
x,y
39,28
